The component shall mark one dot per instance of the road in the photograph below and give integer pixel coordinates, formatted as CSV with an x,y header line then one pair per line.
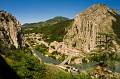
x,y
43,58
48,60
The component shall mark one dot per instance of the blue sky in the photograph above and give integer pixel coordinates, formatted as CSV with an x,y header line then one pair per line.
x,y
28,11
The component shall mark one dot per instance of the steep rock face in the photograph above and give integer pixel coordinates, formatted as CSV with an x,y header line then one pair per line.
x,y
93,27
10,30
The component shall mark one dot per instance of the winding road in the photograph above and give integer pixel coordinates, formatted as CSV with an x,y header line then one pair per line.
x,y
69,68
43,58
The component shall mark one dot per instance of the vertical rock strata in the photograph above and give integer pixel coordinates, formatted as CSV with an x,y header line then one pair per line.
x,y
10,30
90,27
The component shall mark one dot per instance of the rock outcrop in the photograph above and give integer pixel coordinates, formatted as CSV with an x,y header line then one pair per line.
x,y
10,31
93,27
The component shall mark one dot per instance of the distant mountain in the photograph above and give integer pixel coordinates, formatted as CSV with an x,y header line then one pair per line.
x,y
53,29
57,19
54,20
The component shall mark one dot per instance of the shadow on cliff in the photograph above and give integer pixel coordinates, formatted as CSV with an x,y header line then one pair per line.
x,y
5,70
116,27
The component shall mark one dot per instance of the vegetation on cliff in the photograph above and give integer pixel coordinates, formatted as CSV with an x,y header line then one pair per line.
x,y
102,45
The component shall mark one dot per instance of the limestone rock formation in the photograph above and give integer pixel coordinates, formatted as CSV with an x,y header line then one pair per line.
x,y
10,30
93,27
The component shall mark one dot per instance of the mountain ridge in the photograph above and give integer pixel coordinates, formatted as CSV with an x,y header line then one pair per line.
x,y
51,21
71,41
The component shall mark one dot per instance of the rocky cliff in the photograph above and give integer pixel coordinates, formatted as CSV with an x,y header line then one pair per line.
x,y
10,31
93,27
